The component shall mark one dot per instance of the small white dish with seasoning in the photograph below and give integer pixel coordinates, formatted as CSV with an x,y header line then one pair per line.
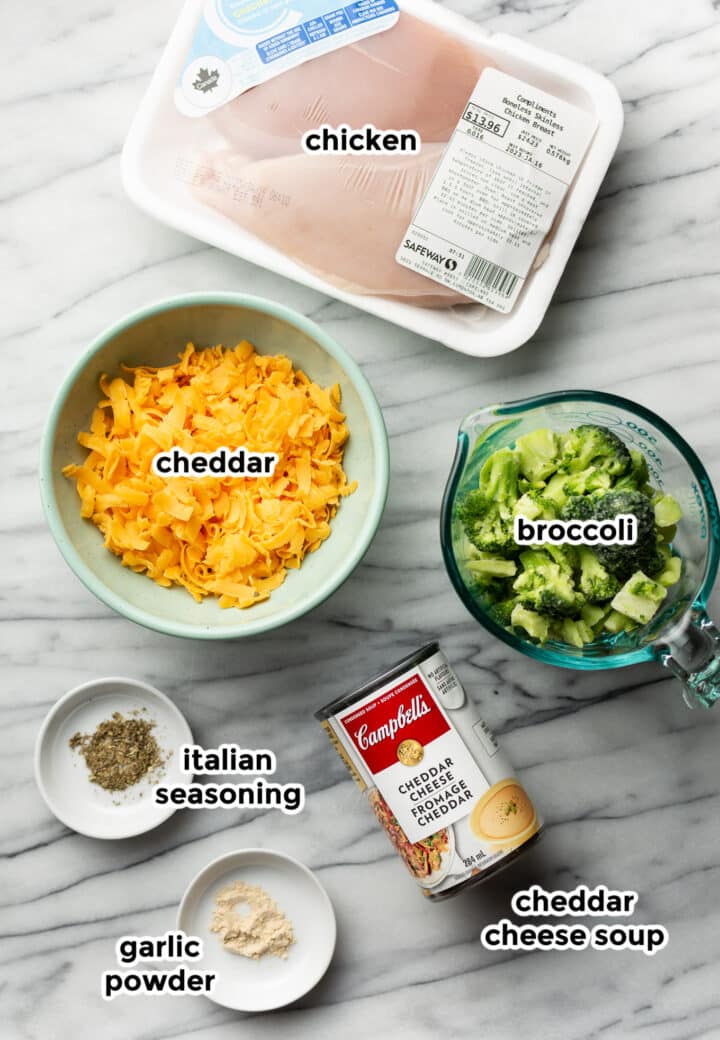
x,y
102,749
267,925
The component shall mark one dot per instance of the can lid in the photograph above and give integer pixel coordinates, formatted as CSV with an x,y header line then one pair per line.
x,y
346,699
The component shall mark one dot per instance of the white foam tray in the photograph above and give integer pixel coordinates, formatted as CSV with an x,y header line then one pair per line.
x,y
159,132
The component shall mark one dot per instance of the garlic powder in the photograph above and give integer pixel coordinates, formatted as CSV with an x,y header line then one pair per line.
x,y
262,930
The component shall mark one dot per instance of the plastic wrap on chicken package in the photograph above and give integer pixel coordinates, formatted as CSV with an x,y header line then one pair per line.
x,y
394,155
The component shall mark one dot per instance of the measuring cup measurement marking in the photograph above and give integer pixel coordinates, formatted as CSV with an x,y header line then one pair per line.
x,y
712,506
697,505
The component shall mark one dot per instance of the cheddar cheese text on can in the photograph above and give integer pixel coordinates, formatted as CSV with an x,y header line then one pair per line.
x,y
433,773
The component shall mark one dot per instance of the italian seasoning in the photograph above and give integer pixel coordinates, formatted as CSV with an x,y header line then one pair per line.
x,y
121,752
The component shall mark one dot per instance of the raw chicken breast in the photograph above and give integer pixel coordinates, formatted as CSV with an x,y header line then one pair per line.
x,y
342,217
413,76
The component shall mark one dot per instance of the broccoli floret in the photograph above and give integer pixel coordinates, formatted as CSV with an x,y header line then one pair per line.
x,y
575,632
667,511
596,583
620,560
565,556
484,525
638,476
535,504
616,622
544,586
555,490
538,452
475,512
578,507
486,513
666,534
595,446
664,552
588,481
593,615
548,508
501,612
492,567
534,624
499,476
639,467
535,559
623,560
670,574
559,600
640,598
528,506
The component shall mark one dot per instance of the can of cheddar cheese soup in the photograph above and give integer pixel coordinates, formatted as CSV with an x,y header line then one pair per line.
x,y
433,773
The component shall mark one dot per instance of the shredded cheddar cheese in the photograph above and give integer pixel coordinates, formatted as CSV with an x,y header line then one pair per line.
x,y
231,537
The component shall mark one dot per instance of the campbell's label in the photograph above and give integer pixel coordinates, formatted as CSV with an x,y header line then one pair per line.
x,y
422,767
376,728
434,776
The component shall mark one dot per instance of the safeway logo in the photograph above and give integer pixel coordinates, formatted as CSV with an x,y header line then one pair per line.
x,y
430,254
407,710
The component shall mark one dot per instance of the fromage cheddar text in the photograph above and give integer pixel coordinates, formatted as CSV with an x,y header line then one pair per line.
x,y
221,535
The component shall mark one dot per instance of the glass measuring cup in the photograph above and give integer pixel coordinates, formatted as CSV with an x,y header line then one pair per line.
x,y
681,635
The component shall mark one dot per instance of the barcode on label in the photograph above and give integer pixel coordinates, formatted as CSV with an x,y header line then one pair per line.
x,y
492,276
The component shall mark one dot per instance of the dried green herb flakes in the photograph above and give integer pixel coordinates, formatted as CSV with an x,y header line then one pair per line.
x,y
121,752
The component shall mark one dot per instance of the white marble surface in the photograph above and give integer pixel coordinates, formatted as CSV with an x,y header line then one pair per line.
x,y
628,778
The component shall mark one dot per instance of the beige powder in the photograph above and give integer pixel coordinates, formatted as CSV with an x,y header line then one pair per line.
x,y
263,929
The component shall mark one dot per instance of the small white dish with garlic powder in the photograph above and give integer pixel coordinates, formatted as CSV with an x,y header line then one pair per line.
x,y
270,982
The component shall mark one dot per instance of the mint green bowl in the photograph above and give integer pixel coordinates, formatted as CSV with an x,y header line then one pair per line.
x,y
154,336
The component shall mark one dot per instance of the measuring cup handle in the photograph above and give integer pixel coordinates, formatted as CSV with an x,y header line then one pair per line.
x,y
692,653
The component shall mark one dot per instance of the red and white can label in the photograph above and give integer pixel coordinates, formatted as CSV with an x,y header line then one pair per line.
x,y
434,776
415,756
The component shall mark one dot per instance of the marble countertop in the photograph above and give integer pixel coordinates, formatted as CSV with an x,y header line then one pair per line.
x,y
627,777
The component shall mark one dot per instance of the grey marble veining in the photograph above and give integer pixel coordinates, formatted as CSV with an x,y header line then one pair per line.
x,y
627,777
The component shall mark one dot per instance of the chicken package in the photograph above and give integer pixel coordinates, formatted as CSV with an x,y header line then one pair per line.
x,y
267,131
340,216
412,76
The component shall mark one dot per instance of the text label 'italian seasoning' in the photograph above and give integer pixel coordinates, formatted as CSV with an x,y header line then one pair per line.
x,y
257,793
